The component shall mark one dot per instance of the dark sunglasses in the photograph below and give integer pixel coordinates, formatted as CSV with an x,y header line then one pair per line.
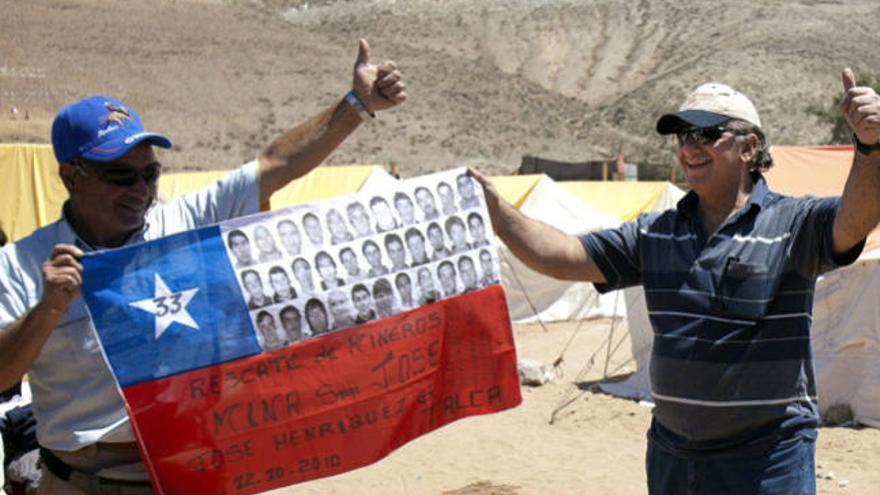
x,y
700,136
119,174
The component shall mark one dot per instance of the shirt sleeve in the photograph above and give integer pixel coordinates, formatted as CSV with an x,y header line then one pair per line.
x,y
815,244
14,301
236,194
616,253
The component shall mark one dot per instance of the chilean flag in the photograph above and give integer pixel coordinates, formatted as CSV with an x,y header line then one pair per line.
x,y
215,410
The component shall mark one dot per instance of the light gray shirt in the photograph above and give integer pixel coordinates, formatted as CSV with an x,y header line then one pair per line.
x,y
75,399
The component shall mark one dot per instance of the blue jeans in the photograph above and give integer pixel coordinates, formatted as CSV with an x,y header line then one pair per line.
x,y
788,469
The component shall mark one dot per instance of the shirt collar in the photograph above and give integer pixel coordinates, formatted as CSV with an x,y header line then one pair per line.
x,y
760,193
757,199
68,234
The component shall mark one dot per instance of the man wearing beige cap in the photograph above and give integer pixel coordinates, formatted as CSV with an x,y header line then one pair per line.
x,y
108,165
729,277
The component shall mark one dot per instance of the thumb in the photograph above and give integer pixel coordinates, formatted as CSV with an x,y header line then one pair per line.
x,y
363,53
848,78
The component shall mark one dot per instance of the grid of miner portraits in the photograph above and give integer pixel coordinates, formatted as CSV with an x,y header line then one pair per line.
x,y
316,268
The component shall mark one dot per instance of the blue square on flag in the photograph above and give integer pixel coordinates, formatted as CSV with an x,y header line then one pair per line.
x,y
168,306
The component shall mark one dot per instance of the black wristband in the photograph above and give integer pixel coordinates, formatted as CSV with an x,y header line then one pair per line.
x,y
865,149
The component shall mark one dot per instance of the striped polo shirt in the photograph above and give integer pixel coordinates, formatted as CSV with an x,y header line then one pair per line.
x,y
731,367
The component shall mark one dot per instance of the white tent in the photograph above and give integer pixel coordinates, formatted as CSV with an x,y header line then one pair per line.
x,y
567,206
532,296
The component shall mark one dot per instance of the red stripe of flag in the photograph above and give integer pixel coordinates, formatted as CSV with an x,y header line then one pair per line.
x,y
329,404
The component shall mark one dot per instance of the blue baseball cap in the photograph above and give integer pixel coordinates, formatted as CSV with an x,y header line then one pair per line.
x,y
99,128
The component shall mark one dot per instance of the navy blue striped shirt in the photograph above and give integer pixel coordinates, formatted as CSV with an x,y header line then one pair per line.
x,y
731,366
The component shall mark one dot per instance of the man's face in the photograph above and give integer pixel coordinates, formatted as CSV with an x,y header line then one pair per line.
x,y
465,187
303,273
359,219
405,208
486,265
269,332
313,230
446,274
416,247
426,281
457,234
338,305
317,318
384,301
435,236
349,261
292,325
290,237
327,269
374,257
362,301
383,216
478,232
265,242
396,253
336,224
447,199
253,285
404,286
109,212
712,169
280,283
468,273
241,248
426,202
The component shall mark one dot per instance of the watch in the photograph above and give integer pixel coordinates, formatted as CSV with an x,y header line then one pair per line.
x,y
865,149
358,105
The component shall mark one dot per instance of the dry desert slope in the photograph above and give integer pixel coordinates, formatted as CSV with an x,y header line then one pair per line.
x,y
489,80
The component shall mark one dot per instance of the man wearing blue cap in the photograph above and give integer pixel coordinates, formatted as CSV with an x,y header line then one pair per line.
x,y
728,277
108,165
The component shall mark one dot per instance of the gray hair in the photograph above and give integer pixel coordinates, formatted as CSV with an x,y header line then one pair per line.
x,y
762,161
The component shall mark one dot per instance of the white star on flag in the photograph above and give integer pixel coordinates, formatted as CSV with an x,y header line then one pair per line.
x,y
168,306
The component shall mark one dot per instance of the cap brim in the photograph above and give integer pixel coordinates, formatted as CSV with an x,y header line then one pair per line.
x,y
111,150
674,122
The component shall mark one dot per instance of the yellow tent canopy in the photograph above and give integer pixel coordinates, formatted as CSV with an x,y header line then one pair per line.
x,y
622,200
31,194
515,188
321,183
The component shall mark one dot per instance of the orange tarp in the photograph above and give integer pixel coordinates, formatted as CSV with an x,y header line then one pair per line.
x,y
816,170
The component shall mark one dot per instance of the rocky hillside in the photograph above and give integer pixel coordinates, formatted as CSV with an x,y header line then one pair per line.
x,y
489,80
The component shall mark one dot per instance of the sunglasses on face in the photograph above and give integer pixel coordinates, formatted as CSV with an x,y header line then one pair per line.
x,y
120,174
700,136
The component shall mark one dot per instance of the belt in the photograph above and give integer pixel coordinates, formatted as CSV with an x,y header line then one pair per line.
x,y
88,482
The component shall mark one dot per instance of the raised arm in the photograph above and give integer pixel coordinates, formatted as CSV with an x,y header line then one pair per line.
x,y
299,150
542,247
859,209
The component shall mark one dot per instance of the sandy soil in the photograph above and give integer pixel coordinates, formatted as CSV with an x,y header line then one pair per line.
x,y
596,445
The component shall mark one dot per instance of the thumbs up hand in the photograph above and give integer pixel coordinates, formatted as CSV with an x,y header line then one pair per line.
x,y
861,107
377,86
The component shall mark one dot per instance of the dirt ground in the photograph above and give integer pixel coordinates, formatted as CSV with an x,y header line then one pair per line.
x,y
489,81
596,445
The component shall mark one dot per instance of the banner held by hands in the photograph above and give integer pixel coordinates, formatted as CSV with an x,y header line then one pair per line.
x,y
224,399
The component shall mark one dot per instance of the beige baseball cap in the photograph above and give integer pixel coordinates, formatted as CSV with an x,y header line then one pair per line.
x,y
710,105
